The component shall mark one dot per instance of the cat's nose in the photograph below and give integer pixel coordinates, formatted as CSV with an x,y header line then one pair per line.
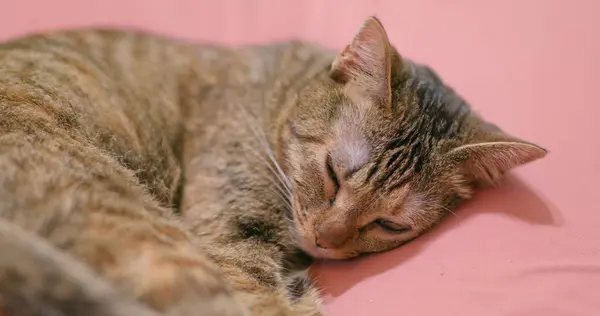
x,y
328,236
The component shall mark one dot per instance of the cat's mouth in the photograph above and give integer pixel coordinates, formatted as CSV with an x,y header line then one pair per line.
x,y
307,242
312,249
305,237
331,254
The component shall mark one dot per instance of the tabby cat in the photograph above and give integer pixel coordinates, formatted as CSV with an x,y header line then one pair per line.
x,y
142,175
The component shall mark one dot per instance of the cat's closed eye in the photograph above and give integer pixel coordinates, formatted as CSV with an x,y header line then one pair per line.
x,y
332,184
390,226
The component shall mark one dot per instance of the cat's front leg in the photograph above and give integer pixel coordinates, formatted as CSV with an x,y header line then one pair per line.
x,y
256,273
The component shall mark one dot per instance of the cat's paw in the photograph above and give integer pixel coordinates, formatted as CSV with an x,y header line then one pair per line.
x,y
298,298
269,303
306,298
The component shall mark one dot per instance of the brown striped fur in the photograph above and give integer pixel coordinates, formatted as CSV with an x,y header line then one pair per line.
x,y
145,175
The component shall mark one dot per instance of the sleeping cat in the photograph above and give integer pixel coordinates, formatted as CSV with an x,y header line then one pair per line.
x,y
142,175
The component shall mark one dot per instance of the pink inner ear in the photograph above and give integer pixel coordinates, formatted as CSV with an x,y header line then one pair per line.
x,y
366,62
345,65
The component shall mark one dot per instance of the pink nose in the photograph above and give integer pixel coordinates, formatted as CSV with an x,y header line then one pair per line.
x,y
330,236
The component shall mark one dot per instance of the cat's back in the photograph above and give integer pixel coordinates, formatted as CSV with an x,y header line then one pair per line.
x,y
117,90
129,57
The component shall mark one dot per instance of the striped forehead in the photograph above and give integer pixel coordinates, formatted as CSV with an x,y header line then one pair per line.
x,y
351,148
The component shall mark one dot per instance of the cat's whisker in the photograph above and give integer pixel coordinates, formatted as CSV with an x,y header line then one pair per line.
x,y
261,138
452,212
279,186
271,156
262,159
446,209
430,204
289,220
284,199
278,190
277,183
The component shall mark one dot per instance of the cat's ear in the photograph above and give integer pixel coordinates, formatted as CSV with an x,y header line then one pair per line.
x,y
486,158
366,63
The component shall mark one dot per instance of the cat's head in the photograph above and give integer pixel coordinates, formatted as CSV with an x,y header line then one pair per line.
x,y
380,150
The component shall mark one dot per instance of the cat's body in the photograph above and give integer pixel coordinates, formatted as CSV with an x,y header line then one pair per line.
x,y
181,174
88,113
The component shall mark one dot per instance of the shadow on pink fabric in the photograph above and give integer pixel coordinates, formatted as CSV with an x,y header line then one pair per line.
x,y
529,247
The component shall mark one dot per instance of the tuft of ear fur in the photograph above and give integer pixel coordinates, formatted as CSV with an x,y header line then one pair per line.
x,y
366,64
485,160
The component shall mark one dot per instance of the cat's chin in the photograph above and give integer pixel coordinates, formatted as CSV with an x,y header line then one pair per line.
x,y
307,244
311,249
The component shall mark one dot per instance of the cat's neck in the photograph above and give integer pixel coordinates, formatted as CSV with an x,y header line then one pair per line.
x,y
242,101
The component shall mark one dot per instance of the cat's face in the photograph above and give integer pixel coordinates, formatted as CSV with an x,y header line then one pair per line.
x,y
380,151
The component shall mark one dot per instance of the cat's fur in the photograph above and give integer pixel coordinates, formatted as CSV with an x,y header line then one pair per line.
x,y
279,148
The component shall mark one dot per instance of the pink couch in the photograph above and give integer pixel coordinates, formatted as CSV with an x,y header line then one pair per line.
x,y
530,247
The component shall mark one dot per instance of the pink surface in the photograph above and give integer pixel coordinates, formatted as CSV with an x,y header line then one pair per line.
x,y
530,247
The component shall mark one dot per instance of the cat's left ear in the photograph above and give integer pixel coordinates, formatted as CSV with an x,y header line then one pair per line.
x,y
366,64
490,155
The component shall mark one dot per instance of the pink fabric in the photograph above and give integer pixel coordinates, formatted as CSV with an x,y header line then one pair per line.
x,y
530,247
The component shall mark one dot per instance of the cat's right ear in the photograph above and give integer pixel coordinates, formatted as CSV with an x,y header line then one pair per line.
x,y
488,156
366,64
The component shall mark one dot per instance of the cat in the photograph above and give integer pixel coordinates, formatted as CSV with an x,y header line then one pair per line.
x,y
145,175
